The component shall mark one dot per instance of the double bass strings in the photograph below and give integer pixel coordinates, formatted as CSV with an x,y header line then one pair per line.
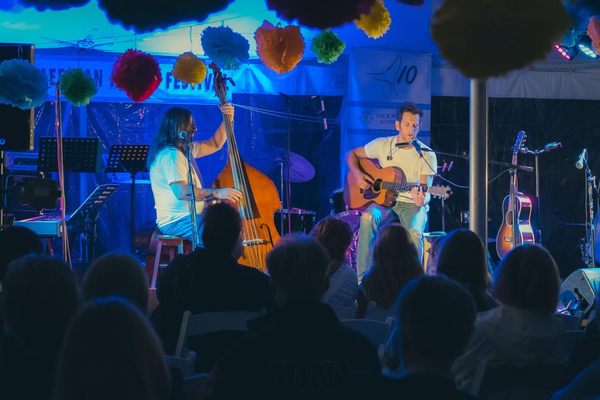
x,y
245,206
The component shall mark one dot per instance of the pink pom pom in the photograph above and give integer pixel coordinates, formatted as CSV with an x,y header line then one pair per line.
x,y
137,73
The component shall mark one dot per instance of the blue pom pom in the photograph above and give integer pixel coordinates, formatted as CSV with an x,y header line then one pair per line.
x,y
225,47
21,84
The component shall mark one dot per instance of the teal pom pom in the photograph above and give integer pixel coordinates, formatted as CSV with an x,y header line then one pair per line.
x,y
225,47
21,84
327,46
77,86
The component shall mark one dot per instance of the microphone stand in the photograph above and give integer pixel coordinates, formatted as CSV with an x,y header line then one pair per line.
x,y
536,154
590,229
191,194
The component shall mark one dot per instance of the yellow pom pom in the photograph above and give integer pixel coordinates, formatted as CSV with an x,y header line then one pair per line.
x,y
189,69
377,22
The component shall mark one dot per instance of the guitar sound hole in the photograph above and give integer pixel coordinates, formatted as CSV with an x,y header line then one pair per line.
x,y
377,185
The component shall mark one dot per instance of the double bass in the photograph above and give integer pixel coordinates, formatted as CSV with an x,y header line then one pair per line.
x,y
260,201
516,211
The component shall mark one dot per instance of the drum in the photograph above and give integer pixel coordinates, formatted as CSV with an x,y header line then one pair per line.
x,y
302,221
352,217
431,240
337,202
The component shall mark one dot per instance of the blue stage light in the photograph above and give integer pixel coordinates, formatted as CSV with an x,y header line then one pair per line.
x,y
584,44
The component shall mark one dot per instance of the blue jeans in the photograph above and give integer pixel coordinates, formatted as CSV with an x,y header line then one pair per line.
x,y
183,228
412,217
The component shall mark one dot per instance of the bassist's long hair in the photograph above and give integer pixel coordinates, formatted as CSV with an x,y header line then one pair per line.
x,y
174,120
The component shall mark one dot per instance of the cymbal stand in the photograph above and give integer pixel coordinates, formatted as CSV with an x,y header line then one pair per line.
x,y
285,166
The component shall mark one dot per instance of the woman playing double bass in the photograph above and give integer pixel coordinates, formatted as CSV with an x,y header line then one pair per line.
x,y
169,166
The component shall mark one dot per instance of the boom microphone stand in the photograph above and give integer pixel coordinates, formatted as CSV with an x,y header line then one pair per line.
x,y
187,142
590,229
536,154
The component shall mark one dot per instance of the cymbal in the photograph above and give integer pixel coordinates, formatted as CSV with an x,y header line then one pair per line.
x,y
301,170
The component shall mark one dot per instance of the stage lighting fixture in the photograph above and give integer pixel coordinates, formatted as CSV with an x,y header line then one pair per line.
x,y
584,44
567,52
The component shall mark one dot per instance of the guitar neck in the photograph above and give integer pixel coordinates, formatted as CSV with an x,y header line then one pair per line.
x,y
403,187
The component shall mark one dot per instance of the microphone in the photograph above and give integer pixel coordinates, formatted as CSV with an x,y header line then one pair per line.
x,y
325,127
417,147
581,160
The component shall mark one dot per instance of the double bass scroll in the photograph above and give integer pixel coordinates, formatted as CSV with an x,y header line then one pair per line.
x,y
260,201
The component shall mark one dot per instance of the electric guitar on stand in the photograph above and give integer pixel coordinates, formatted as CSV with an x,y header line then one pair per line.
x,y
387,182
516,211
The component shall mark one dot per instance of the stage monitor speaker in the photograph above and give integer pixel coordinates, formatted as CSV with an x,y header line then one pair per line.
x,y
580,290
16,125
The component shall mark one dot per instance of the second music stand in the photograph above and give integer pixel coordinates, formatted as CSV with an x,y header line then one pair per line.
x,y
129,158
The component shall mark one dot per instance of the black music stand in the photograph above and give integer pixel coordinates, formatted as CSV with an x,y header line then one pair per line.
x,y
129,158
79,155
85,218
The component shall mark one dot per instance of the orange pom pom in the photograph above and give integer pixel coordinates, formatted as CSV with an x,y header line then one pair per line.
x,y
280,49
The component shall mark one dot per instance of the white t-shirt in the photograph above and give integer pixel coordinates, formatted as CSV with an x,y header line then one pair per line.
x,y
407,159
170,165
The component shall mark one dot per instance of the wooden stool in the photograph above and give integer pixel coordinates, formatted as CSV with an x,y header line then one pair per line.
x,y
170,243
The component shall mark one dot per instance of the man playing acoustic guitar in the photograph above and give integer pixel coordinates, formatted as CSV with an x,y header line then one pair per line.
x,y
419,164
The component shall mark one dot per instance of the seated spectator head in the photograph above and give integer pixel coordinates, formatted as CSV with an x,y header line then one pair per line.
x,y
335,236
15,242
39,298
395,263
435,320
117,275
462,257
111,352
297,266
527,278
222,228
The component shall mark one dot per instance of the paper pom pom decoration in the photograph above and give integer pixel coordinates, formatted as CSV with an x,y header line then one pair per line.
x,y
42,5
484,38
189,69
136,73
149,15
280,49
77,86
415,3
327,46
322,14
593,31
22,85
225,47
377,22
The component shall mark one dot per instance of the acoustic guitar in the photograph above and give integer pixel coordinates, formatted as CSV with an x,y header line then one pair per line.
x,y
516,212
386,184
